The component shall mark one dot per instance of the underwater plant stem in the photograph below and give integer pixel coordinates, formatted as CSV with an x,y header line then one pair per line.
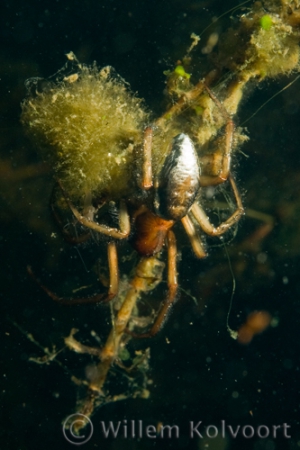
x,y
147,275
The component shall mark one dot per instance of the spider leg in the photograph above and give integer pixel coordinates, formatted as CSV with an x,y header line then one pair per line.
x,y
124,222
193,237
221,177
97,298
147,181
199,214
172,290
66,234
223,173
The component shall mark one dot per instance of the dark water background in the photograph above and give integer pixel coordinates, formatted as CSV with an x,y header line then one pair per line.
x,y
202,374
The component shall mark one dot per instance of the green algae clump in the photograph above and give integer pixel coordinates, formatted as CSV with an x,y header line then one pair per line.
x,y
87,124
180,71
266,22
265,45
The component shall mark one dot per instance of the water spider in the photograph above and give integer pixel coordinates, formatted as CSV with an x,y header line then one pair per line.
x,y
146,216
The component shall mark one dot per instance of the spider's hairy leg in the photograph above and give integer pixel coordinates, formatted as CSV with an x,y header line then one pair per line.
x,y
117,233
225,155
69,237
147,181
204,222
193,237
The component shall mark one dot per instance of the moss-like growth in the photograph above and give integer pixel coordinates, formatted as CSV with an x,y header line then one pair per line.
x,y
87,124
264,45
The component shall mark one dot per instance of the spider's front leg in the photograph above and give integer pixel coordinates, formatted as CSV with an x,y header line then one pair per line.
x,y
222,176
147,180
221,158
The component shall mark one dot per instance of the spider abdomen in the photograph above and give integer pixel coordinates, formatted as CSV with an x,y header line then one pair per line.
x,y
179,180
